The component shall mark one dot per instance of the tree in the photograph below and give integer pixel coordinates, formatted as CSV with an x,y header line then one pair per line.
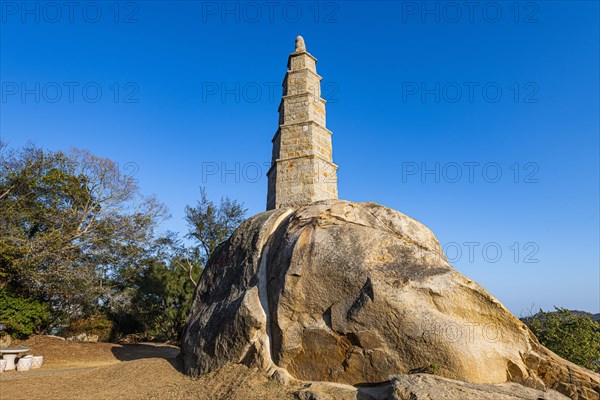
x,y
572,336
164,299
165,286
156,297
210,225
68,223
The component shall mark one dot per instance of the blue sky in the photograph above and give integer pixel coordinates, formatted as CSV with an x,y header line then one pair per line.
x,y
482,123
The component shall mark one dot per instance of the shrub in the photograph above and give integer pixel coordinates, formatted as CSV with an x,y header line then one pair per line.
x,y
97,324
574,337
22,316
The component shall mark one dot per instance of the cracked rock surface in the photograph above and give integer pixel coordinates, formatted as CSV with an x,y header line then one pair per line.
x,y
355,293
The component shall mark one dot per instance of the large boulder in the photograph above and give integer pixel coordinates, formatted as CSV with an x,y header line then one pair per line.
x,y
355,293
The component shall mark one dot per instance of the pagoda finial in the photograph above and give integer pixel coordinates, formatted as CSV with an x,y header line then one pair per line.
x,y
300,46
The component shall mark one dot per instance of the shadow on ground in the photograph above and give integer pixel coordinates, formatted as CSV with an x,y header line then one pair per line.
x,y
130,352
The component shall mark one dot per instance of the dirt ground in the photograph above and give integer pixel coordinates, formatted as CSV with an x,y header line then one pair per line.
x,y
86,371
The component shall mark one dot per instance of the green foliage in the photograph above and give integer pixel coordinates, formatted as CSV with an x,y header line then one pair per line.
x,y
435,368
164,298
70,222
572,336
21,316
96,324
119,309
211,224
77,239
166,285
432,368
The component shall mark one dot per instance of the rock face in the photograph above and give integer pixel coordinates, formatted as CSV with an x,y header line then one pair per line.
x,y
84,337
424,387
354,293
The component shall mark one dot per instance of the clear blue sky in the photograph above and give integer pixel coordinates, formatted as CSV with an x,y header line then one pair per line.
x,y
189,86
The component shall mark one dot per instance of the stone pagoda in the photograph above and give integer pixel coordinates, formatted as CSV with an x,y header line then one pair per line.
x,y
302,169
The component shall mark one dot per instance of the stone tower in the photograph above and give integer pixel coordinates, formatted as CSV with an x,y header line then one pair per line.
x,y
302,169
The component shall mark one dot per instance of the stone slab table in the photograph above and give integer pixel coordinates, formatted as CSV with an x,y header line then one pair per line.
x,y
10,353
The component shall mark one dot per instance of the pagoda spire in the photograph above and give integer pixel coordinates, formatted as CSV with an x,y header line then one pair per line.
x,y
302,169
